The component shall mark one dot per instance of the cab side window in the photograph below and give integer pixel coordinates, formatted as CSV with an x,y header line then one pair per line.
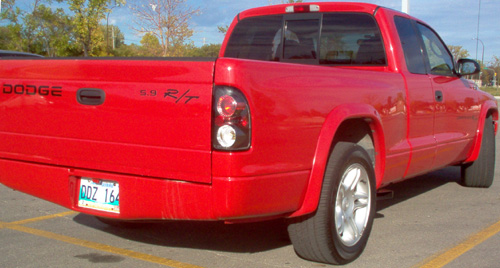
x,y
411,45
351,39
438,56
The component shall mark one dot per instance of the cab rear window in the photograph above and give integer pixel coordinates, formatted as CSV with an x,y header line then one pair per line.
x,y
344,39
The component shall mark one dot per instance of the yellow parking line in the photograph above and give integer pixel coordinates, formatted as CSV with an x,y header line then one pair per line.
x,y
45,217
455,252
18,226
98,246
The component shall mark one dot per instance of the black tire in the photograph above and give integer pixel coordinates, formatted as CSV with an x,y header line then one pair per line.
x,y
481,172
324,236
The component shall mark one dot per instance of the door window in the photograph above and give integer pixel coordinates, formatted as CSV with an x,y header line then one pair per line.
x,y
438,56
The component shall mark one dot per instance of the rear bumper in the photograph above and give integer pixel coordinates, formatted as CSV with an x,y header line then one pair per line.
x,y
150,198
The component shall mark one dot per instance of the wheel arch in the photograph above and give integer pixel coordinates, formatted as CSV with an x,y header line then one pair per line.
x,y
488,108
358,123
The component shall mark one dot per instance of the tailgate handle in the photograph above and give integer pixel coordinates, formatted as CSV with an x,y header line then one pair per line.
x,y
90,96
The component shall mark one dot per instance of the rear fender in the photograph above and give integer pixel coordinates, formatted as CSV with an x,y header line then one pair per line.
x,y
325,142
489,107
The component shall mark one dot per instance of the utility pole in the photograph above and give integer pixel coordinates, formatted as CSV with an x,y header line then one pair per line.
x,y
477,33
405,6
113,34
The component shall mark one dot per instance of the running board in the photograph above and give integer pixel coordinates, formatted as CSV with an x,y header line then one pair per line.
x,y
385,194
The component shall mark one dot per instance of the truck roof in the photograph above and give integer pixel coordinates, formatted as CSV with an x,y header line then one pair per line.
x,y
323,7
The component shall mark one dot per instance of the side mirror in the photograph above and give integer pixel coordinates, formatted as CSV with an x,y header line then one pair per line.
x,y
468,67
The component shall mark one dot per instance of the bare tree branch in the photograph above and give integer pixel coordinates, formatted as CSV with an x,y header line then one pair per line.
x,y
168,20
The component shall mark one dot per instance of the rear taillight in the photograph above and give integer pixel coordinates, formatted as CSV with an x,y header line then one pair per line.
x,y
231,126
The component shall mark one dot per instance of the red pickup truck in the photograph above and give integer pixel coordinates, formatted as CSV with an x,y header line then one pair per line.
x,y
307,112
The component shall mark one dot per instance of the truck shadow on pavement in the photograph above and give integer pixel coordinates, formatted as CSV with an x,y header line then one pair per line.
x,y
411,188
249,237
208,235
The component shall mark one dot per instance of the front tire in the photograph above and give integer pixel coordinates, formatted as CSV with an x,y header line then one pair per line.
x,y
338,231
481,172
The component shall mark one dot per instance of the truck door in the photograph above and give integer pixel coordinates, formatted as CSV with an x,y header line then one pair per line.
x,y
456,104
420,99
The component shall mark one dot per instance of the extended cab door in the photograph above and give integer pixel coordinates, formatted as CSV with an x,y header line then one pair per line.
x,y
420,99
456,104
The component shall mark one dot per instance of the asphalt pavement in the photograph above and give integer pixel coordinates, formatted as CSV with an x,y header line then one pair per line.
x,y
432,221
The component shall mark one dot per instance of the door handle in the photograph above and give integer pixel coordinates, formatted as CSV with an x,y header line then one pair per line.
x,y
439,96
90,96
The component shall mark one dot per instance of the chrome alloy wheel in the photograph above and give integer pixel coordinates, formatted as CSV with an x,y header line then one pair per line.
x,y
352,206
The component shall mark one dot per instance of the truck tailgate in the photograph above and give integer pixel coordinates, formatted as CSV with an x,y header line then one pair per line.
x,y
141,117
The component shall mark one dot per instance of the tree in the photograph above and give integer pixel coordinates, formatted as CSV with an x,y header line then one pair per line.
x,y
458,52
114,38
168,20
211,50
10,37
88,14
495,65
16,31
124,50
53,32
39,30
150,46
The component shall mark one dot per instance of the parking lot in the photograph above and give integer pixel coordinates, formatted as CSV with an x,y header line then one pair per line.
x,y
432,221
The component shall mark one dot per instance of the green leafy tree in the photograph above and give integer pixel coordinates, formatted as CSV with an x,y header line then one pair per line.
x,y
113,38
13,37
211,50
40,29
117,37
10,37
150,46
87,15
458,52
124,50
54,32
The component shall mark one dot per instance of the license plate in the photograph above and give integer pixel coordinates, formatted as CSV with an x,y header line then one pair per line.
x,y
101,195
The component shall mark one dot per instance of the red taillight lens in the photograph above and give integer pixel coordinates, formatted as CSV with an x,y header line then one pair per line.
x,y
300,9
231,125
226,106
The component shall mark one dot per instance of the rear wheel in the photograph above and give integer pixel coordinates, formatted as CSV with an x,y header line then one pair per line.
x,y
338,231
481,172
